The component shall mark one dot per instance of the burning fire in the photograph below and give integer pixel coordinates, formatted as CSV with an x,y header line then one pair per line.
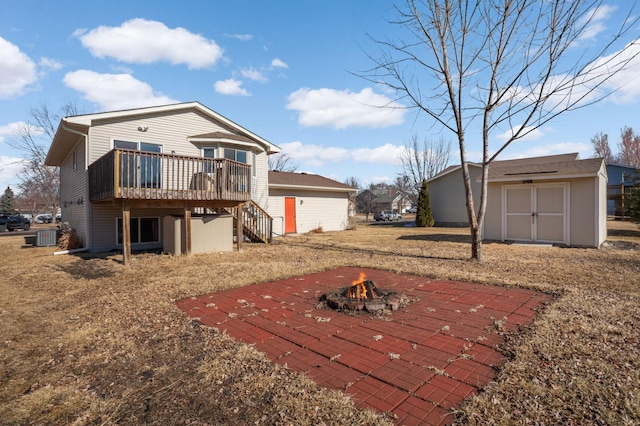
x,y
362,288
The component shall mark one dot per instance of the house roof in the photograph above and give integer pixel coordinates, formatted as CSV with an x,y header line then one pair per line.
x,y
220,135
554,168
306,181
71,128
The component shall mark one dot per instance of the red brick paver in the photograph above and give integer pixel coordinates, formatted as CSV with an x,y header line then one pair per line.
x,y
418,363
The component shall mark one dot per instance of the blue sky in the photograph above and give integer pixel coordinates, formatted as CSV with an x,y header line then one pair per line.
x,y
282,69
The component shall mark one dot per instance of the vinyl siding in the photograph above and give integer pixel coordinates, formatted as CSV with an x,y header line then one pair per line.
x,y
104,219
314,209
448,199
582,214
585,210
170,130
492,229
73,194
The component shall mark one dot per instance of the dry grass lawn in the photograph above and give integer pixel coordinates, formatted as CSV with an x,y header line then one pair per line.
x,y
86,340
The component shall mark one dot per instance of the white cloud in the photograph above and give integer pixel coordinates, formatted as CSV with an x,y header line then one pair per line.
x,y
253,74
114,91
532,134
385,154
314,155
10,130
344,109
10,168
552,149
625,83
143,41
241,37
50,64
277,63
318,155
230,87
594,21
17,70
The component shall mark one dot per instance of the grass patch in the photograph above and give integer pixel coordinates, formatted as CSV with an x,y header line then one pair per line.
x,y
86,340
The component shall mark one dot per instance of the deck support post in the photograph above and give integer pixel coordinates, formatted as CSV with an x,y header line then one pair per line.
x,y
126,232
187,229
239,227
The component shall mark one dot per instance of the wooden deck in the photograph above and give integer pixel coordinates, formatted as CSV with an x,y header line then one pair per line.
x,y
136,175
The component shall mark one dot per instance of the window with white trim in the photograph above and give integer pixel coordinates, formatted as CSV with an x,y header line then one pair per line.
x,y
140,170
236,155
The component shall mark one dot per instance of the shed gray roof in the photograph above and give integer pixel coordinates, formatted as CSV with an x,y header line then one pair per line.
x,y
560,167
306,181
549,167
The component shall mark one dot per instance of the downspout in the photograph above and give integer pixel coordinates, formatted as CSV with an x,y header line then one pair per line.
x,y
87,212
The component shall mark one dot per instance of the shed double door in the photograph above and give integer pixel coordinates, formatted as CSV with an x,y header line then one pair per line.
x,y
536,213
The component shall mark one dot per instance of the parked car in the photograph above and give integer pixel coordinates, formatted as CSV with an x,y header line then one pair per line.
x,y
46,218
11,222
43,218
387,215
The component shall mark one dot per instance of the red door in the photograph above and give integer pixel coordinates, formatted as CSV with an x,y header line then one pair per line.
x,y
289,215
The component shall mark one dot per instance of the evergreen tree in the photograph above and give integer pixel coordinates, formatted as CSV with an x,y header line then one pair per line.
x,y
632,200
424,217
6,202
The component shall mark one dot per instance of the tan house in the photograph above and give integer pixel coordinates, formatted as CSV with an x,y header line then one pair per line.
x,y
556,199
123,173
302,202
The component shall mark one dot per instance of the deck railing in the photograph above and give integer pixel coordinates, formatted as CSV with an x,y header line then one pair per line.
x,y
257,224
130,174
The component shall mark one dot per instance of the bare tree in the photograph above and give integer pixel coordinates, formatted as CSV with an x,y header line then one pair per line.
x,y
282,163
491,66
423,160
33,139
601,146
629,148
353,182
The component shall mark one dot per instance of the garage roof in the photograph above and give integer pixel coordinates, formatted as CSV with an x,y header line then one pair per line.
x,y
306,181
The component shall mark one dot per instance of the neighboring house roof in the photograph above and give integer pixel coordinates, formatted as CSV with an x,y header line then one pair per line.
x,y
290,180
71,127
621,174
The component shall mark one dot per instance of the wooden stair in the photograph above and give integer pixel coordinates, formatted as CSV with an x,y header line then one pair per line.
x,y
257,225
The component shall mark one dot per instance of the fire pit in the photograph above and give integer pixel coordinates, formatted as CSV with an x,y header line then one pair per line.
x,y
363,295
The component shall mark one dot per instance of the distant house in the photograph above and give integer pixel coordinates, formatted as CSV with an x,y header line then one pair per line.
x,y
376,200
554,199
302,202
620,177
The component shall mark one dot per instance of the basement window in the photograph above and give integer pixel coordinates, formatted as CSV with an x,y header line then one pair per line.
x,y
143,230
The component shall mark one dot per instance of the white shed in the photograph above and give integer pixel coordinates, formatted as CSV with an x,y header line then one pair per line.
x,y
553,199
302,202
563,202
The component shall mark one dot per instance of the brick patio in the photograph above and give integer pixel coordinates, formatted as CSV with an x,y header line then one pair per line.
x,y
418,363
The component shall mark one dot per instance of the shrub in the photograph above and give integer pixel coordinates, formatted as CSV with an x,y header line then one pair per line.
x,y
424,217
632,200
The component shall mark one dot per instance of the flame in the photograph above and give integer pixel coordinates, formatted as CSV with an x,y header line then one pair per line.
x,y
358,289
361,280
